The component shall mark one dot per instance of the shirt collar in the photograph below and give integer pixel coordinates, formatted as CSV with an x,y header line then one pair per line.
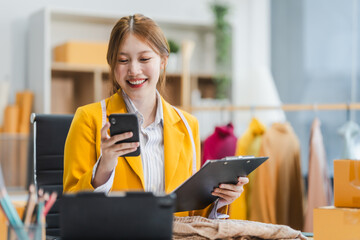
x,y
130,106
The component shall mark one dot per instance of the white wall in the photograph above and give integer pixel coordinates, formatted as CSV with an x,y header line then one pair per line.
x,y
253,82
14,15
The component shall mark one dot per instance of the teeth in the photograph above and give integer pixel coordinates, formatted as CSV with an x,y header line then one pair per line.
x,y
136,82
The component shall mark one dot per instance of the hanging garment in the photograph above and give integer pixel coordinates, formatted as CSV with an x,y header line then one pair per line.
x,y
351,133
221,143
248,144
245,142
319,187
277,191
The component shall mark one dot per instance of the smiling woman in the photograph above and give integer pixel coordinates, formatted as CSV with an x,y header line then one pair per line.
x,y
169,138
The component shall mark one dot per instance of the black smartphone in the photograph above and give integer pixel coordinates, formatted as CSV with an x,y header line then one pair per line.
x,y
125,122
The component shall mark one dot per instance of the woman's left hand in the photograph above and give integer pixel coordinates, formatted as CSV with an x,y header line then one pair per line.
x,y
229,192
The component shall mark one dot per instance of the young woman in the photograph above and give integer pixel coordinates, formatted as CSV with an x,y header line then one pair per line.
x,y
169,138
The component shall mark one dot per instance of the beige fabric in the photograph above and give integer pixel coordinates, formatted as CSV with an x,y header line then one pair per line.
x,y
197,227
319,190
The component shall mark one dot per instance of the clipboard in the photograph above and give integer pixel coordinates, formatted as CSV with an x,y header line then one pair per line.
x,y
195,192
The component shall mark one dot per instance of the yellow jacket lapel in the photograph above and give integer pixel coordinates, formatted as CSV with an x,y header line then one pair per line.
x,y
136,165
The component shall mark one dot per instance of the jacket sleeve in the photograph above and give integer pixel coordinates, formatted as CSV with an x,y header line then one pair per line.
x,y
80,153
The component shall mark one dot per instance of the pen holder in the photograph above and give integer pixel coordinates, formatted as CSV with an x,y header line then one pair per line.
x,y
32,232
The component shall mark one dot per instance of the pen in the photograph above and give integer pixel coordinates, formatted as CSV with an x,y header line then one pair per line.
x,y
30,206
46,197
31,189
50,203
27,203
40,220
40,206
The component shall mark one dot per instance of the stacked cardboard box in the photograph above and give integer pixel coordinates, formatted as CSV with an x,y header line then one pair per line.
x,y
80,52
14,139
341,221
17,116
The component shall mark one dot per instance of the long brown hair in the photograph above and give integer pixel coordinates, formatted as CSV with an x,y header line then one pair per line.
x,y
143,28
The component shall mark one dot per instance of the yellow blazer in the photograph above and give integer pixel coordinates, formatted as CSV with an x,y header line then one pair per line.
x,y
82,149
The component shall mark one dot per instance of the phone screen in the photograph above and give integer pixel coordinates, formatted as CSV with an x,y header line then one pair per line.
x,y
125,122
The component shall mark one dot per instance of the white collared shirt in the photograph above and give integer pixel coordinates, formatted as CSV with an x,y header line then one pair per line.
x,y
151,149
152,154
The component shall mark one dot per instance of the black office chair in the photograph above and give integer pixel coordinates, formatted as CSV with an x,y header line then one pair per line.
x,y
50,133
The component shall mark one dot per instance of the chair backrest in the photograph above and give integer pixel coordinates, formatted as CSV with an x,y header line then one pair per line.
x,y
50,132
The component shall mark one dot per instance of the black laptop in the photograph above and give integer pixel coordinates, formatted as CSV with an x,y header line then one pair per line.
x,y
130,215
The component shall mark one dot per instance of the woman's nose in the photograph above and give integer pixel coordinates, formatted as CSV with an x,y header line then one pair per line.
x,y
134,69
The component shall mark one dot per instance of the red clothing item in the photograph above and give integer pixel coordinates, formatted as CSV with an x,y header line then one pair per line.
x,y
221,143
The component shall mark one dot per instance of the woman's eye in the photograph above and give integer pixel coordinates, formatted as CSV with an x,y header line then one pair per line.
x,y
123,60
144,59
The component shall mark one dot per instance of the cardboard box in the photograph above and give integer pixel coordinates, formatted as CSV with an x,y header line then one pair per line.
x,y
14,159
347,183
24,100
331,223
11,119
81,53
62,96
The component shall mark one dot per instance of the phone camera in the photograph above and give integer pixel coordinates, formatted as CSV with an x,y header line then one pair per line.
x,y
112,121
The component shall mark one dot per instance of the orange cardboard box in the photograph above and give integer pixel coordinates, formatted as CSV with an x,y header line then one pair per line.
x,y
81,52
347,183
331,223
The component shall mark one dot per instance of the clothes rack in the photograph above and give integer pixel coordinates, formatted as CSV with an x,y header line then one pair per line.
x,y
285,107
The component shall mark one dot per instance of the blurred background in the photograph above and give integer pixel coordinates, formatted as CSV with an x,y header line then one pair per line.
x,y
230,60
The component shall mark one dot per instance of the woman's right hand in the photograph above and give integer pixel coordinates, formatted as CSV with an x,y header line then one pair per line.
x,y
110,153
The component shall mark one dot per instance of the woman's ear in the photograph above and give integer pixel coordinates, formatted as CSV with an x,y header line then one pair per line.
x,y
164,62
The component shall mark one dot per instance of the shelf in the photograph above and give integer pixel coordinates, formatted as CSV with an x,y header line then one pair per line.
x,y
70,80
59,66
73,85
65,14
